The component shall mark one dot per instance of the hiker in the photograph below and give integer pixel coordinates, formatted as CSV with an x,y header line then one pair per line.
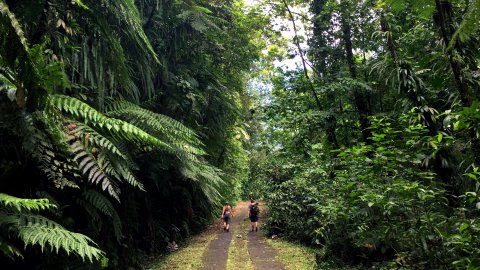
x,y
253,212
226,215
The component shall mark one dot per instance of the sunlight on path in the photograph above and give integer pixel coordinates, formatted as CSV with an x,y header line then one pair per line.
x,y
215,249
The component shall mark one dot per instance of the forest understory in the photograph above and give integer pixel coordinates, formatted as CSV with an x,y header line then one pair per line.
x,y
125,125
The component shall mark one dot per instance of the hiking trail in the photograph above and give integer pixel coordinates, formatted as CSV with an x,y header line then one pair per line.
x,y
262,255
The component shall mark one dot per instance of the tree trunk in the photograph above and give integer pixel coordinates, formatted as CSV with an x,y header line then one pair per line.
x,y
443,20
361,99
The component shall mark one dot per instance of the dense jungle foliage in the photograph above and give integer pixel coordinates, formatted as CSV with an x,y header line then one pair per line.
x,y
125,124
370,148
122,126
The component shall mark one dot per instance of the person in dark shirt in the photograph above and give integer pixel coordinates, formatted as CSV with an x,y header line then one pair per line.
x,y
252,213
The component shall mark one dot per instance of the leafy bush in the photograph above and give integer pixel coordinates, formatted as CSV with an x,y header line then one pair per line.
x,y
382,202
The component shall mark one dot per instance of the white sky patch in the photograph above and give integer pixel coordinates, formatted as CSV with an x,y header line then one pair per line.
x,y
285,27
251,2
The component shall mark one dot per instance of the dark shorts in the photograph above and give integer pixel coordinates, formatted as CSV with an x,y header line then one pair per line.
x,y
226,218
253,218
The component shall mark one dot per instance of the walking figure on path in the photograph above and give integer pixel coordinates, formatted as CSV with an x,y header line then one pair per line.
x,y
252,213
226,215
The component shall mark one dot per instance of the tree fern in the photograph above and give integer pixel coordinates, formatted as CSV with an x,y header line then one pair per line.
x,y
114,126
16,216
93,138
94,142
49,148
181,137
96,170
200,19
207,176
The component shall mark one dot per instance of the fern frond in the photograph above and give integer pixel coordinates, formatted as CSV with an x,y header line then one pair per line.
x,y
118,164
125,173
92,137
38,230
200,19
15,215
96,170
116,127
170,130
160,122
54,167
207,177
5,11
19,204
57,167
101,203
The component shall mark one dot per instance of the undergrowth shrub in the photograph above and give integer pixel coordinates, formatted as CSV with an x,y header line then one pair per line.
x,y
382,202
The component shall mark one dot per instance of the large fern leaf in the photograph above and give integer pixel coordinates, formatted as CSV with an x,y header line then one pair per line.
x,y
19,204
91,137
96,170
185,142
33,229
94,142
115,127
38,230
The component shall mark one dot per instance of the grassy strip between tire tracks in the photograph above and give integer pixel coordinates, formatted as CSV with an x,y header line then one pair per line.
x,y
238,254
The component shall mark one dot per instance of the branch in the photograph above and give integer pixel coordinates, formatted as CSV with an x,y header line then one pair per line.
x,y
300,51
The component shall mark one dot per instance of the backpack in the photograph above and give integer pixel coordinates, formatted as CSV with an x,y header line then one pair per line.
x,y
254,210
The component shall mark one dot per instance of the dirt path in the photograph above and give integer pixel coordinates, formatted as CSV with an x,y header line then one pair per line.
x,y
261,254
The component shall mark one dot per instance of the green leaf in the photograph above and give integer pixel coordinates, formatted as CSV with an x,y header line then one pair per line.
x,y
440,137
463,226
